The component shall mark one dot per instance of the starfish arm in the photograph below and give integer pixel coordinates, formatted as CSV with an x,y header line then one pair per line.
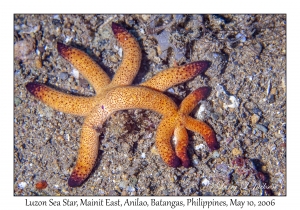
x,y
173,76
135,97
189,102
202,128
63,102
87,154
89,145
85,65
132,56
164,134
182,139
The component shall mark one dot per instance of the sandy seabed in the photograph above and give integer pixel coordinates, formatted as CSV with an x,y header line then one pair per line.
x,y
246,108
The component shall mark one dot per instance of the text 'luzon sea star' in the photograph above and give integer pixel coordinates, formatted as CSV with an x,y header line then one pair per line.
x,y
118,94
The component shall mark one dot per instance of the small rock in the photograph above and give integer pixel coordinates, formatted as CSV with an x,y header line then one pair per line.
x,y
236,152
216,154
200,146
130,189
231,116
23,50
123,184
283,145
243,115
154,151
254,119
38,62
195,161
271,99
257,48
247,130
145,17
17,101
63,75
265,140
75,73
257,111
262,128
248,142
223,152
22,185
222,167
215,116
83,82
229,140
205,182
201,111
234,103
265,123
273,91
114,59
41,49
41,185
235,176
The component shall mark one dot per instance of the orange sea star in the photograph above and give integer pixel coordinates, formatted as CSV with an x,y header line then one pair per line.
x,y
117,95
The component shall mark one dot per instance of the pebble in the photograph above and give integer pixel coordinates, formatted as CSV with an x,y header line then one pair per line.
x,y
248,142
283,145
273,91
254,119
216,154
145,17
38,62
215,116
247,130
271,99
63,75
257,48
114,59
236,152
23,49
122,184
241,37
201,111
41,49
22,185
154,150
75,73
205,182
223,152
262,128
200,146
265,140
130,189
222,167
257,111
195,161
234,103
243,115
229,140
41,185
17,101
231,116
